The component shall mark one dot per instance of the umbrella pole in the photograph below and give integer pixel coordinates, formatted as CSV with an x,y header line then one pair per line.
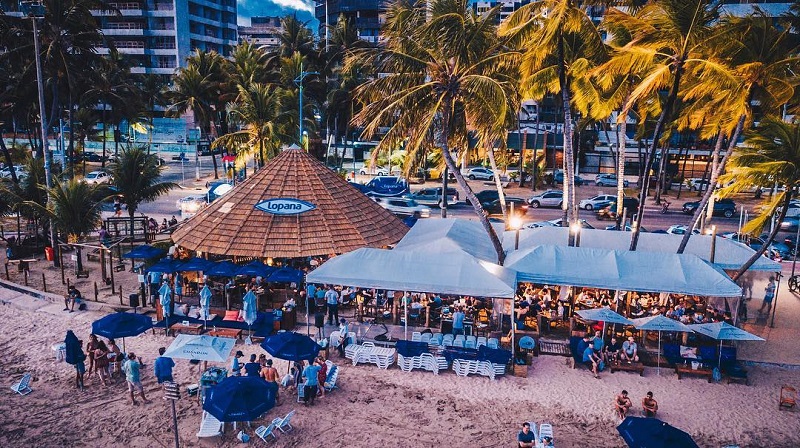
x,y
123,346
719,362
658,369
308,324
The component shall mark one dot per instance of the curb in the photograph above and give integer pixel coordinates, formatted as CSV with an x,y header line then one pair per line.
x,y
55,298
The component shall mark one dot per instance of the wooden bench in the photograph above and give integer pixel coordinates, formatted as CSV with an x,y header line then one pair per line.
x,y
685,369
190,329
226,333
627,367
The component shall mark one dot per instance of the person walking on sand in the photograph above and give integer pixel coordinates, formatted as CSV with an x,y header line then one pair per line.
x,y
80,367
769,294
622,404
101,362
310,389
162,367
131,369
649,405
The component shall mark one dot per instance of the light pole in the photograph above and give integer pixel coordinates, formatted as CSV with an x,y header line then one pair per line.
x,y
575,230
197,155
713,233
35,10
299,82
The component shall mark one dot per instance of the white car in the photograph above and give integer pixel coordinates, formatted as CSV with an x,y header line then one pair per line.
x,y
597,202
550,198
404,207
375,171
609,180
480,173
190,205
97,177
680,229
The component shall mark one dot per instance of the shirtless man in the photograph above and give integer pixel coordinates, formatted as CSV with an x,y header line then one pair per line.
x,y
621,404
270,375
649,405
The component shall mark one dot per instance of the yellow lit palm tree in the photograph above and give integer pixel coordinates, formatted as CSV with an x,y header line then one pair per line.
x,y
443,66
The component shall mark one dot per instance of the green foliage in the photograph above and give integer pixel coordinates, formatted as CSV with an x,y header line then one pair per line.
x,y
136,176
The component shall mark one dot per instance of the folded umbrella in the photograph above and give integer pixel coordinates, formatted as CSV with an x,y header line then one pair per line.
x,y
73,352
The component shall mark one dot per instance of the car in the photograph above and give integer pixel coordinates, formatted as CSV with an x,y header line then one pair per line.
x,y
628,228
387,186
558,223
487,195
549,198
190,205
93,157
609,180
536,225
725,207
558,177
495,208
480,173
596,202
698,184
404,207
610,211
776,251
680,229
19,170
97,177
374,170
789,223
433,196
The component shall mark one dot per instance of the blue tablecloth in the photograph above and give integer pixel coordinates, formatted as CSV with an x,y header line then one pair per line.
x,y
411,348
494,355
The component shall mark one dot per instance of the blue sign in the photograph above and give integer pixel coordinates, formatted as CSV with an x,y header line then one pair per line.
x,y
285,206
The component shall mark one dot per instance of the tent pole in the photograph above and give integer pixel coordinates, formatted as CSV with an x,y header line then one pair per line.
x,y
405,316
658,370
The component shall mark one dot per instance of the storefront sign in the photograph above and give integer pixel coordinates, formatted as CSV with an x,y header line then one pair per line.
x,y
285,206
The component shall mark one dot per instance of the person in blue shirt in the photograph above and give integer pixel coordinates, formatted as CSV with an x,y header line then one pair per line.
x,y
162,367
591,360
458,321
236,366
310,388
252,368
525,438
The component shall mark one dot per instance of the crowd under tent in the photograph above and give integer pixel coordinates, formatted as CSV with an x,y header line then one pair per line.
x,y
729,255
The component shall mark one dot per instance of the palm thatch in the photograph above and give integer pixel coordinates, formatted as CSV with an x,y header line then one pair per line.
x,y
344,218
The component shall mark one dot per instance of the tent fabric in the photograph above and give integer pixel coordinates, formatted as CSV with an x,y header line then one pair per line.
x,y
411,348
286,275
450,234
203,348
621,270
194,264
122,325
728,254
660,323
640,432
455,272
145,251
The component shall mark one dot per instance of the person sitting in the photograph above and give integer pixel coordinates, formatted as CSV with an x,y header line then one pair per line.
x,y
73,296
164,225
622,404
630,351
591,360
525,438
547,442
611,352
649,405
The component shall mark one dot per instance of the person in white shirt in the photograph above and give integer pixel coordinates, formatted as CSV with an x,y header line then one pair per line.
x,y
344,331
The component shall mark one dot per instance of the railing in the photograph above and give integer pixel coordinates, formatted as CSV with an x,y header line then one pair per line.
x,y
123,26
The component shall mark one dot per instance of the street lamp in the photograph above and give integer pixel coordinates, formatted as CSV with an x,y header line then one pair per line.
x,y
515,223
713,232
299,82
36,10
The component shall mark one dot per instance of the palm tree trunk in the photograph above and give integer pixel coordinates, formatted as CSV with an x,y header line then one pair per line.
x,y
662,120
71,119
103,158
131,213
787,199
715,173
620,170
499,185
476,204
7,159
569,206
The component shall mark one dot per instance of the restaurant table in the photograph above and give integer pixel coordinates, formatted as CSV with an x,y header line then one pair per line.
x,y
686,369
627,367
226,333
186,328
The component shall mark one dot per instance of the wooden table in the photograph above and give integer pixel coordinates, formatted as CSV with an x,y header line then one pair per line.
x,y
686,369
226,333
190,328
627,367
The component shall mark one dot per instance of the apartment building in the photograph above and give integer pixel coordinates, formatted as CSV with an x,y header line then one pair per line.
x,y
263,32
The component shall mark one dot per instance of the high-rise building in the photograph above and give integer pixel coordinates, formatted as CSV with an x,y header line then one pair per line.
x,y
367,16
263,32
156,36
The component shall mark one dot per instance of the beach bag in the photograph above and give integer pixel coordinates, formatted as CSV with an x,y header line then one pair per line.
x,y
601,366
244,438
82,307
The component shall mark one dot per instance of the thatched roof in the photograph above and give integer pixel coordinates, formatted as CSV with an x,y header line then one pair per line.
x,y
344,219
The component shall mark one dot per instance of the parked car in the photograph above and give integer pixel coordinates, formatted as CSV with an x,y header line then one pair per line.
x,y
190,205
480,173
97,177
680,229
487,195
596,202
374,170
628,228
433,196
93,157
609,180
536,225
789,224
549,198
698,184
776,251
610,211
495,208
725,207
558,177
18,169
404,207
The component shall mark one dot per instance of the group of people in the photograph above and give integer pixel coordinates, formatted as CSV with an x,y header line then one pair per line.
x,y
623,404
258,367
596,354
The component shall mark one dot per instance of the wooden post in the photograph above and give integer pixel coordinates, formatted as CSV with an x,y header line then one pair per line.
x,y
44,283
111,265
96,292
428,316
25,273
103,274
120,294
68,284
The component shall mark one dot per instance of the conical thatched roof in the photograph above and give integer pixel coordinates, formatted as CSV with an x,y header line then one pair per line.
x,y
344,219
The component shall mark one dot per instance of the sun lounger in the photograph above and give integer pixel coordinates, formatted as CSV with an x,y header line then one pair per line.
x,y
545,430
284,424
209,426
333,375
300,392
23,386
265,431
416,336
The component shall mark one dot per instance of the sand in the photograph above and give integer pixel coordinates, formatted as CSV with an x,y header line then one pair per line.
x,y
372,407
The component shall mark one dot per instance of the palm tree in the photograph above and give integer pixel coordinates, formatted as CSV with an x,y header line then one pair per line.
x,y
771,154
443,66
112,89
257,108
136,176
555,36
668,41
152,88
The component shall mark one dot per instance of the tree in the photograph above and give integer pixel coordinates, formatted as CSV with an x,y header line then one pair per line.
x,y
113,90
771,154
443,66
136,176
152,88
257,107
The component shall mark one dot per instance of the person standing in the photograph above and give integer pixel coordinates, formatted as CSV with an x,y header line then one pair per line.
x,y
80,367
101,362
769,295
332,300
236,366
252,368
322,375
310,373
344,334
458,321
90,348
270,375
131,369
162,367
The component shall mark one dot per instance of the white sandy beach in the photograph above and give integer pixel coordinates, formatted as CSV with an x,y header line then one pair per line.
x,y
373,407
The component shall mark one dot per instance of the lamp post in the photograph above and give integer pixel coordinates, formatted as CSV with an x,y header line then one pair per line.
x,y
35,10
575,230
515,223
713,233
299,82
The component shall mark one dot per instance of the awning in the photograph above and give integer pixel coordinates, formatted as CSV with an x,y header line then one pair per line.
x,y
728,254
449,234
452,272
621,270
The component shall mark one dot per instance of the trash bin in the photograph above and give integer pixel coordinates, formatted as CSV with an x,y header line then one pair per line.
x,y
49,254
134,298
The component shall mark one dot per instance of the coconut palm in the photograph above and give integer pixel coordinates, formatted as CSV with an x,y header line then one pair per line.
x,y
153,89
771,154
112,89
444,67
136,175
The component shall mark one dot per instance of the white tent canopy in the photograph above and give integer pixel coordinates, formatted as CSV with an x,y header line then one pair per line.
x,y
728,254
452,272
620,270
450,234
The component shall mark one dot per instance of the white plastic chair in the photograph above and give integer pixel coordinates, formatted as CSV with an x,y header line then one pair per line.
x,y
493,343
284,422
265,431
426,337
545,430
23,386
458,343
416,336
481,341
469,344
209,426
301,393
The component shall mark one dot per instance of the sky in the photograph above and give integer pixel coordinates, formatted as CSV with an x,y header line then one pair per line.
x,y
303,8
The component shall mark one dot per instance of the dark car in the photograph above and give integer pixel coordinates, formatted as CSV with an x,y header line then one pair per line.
x,y
610,211
724,207
487,195
495,208
558,178
93,157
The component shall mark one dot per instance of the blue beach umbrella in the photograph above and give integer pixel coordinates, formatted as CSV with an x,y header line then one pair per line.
x,y
194,264
640,432
286,275
165,266
660,323
222,269
723,331
291,346
145,251
122,325
239,399
255,269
